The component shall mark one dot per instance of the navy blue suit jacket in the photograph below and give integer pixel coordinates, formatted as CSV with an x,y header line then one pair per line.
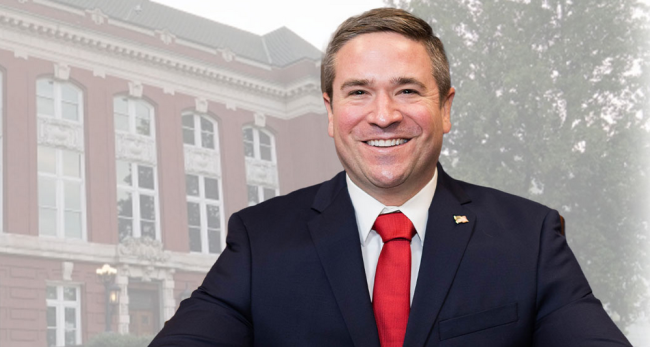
x,y
292,275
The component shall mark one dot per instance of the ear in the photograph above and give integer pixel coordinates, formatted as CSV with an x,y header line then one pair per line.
x,y
446,111
330,114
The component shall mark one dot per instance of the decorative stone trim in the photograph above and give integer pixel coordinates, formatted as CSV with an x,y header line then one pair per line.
x,y
54,132
227,54
18,53
135,148
261,172
97,16
260,119
66,270
201,105
202,161
135,89
62,71
166,36
99,72
144,250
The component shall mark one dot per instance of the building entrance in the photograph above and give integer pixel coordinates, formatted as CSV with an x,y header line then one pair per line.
x,y
144,309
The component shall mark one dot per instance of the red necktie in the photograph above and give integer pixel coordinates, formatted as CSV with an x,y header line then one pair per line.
x,y
391,293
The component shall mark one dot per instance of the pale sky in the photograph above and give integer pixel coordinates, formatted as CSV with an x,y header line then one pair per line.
x,y
315,21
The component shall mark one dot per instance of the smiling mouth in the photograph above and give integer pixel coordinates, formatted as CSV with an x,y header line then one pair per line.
x,y
386,143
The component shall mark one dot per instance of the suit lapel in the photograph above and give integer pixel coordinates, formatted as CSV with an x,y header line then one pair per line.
x,y
336,237
444,246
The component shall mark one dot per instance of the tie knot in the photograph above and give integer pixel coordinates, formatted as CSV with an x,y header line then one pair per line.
x,y
393,226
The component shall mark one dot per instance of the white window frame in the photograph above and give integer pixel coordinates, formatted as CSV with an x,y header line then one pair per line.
x,y
131,109
58,100
257,144
60,179
203,201
60,305
260,193
198,139
135,190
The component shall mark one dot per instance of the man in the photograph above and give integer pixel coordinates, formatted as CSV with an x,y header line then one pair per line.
x,y
466,266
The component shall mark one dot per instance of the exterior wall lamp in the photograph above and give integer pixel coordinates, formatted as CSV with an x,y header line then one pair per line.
x,y
107,275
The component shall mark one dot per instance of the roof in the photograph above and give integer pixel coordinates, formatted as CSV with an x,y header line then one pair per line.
x,y
280,47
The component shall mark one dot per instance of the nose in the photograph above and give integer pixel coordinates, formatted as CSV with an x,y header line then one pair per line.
x,y
385,111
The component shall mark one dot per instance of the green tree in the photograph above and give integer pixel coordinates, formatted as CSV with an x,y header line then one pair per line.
x,y
552,104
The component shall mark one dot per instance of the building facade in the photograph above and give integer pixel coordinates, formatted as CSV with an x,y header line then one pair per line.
x,y
130,133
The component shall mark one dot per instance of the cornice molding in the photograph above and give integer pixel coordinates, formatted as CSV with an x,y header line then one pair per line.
x,y
31,36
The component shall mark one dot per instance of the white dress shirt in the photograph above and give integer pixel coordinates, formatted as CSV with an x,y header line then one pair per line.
x,y
367,209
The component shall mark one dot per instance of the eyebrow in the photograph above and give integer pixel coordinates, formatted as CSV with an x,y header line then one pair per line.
x,y
400,81
356,83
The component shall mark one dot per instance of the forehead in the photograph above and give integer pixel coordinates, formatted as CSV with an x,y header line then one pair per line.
x,y
383,53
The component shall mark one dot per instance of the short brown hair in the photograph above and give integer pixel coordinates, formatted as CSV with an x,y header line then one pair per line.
x,y
388,20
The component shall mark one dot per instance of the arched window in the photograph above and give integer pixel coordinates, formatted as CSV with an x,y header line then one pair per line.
x,y
203,183
136,169
261,166
133,116
61,198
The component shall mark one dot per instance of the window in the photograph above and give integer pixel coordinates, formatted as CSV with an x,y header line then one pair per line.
x,y
58,100
137,208
60,193
259,144
259,149
63,316
204,213
199,131
133,116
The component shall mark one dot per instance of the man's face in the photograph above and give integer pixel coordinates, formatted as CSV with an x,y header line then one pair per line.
x,y
385,115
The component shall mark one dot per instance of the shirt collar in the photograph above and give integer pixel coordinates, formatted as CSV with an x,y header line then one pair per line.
x,y
367,208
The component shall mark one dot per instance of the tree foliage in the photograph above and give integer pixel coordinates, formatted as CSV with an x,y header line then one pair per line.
x,y
552,104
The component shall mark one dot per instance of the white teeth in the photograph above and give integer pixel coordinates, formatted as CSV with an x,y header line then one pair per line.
x,y
386,143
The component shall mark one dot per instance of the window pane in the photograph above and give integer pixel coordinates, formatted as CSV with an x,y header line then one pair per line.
x,y
46,192
123,172
143,126
45,106
73,225
195,239
51,317
207,140
248,135
51,337
121,122
71,164
142,110
268,193
265,139
69,293
214,241
193,214
70,338
121,105
45,87
47,221
253,197
69,93
192,185
188,136
147,207
148,229
125,228
70,111
72,191
248,150
265,153
214,217
145,177
46,159
188,121
211,188
50,292
124,203
70,319
206,125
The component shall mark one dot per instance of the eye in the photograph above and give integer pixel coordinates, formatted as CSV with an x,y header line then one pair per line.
x,y
409,91
357,92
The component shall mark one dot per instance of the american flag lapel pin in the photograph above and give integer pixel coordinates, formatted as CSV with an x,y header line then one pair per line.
x,y
461,219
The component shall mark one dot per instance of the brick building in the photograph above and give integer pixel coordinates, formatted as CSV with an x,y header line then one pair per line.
x,y
130,132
